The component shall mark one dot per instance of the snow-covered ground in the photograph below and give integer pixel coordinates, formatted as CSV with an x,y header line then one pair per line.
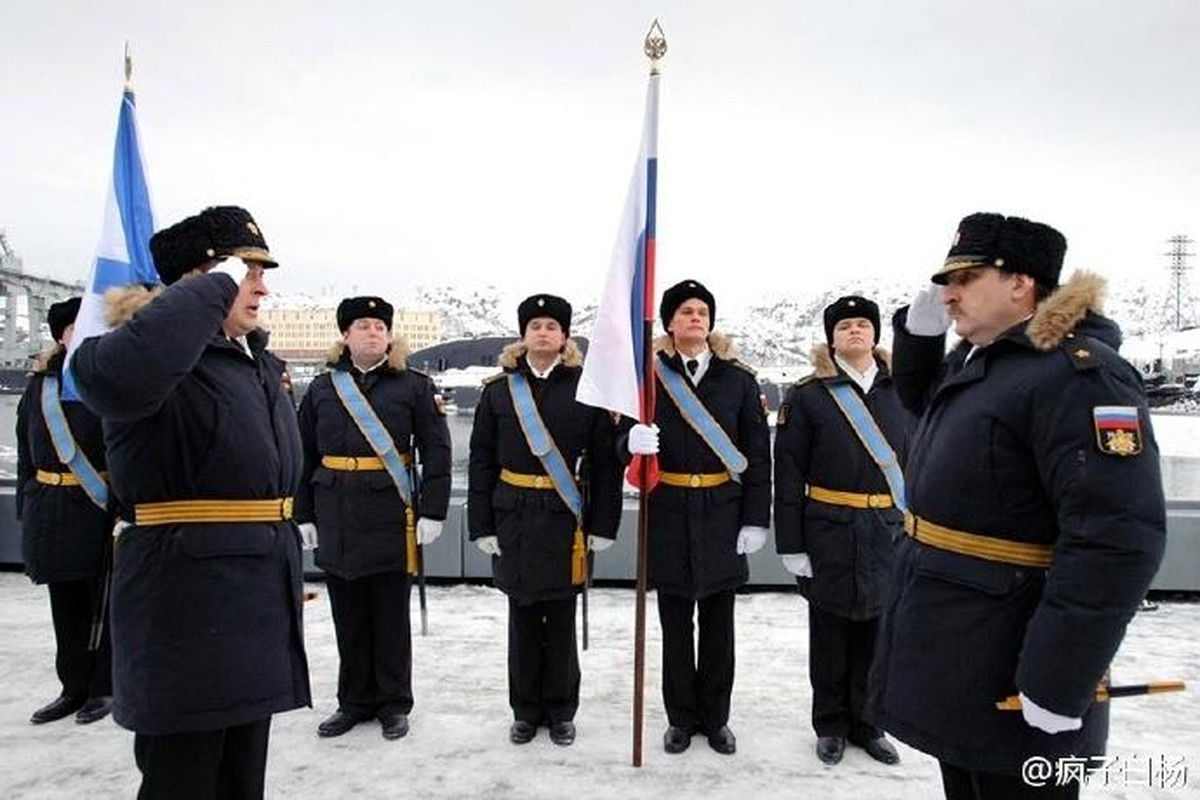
x,y
458,746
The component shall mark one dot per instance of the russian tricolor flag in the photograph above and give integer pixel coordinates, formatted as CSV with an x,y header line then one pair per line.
x,y
123,255
614,373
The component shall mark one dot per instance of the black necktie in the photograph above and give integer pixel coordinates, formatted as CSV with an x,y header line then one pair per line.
x,y
692,365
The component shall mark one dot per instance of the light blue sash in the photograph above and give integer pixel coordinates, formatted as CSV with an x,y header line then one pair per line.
x,y
702,422
64,445
872,438
372,429
542,445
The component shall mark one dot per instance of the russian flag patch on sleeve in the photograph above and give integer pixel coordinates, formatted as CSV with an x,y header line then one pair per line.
x,y
1118,430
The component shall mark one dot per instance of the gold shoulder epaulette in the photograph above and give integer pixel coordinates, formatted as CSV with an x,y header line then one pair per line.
x,y
1081,352
806,379
493,378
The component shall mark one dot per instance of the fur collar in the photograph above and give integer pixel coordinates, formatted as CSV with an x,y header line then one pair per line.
x,y
825,367
50,359
1065,308
120,304
512,354
722,346
397,354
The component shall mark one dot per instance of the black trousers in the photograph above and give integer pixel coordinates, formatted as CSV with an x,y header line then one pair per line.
x,y
964,784
374,639
82,671
226,764
840,651
696,691
543,661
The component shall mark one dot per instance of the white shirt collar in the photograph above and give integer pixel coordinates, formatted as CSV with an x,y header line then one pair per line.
x,y
543,374
371,368
703,359
863,379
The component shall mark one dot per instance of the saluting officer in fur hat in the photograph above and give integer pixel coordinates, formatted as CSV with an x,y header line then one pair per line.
x,y
1035,520
838,514
710,509
366,511
66,526
205,459
539,512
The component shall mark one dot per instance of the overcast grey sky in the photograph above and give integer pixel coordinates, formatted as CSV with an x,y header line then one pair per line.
x,y
387,143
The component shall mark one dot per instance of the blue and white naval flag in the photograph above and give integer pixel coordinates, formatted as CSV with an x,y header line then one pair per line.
x,y
123,255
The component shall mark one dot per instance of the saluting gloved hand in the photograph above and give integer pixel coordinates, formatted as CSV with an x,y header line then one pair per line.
x,y
489,545
798,564
1046,720
233,267
308,535
643,440
927,314
428,530
598,543
751,538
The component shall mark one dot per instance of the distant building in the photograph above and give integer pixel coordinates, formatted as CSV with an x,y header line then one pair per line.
x,y
305,334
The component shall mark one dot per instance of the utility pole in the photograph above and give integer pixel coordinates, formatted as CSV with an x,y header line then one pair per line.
x,y
1179,267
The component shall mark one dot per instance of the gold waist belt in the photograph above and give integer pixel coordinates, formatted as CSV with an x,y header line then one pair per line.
x,y
175,512
851,499
526,481
358,463
701,480
62,478
1021,554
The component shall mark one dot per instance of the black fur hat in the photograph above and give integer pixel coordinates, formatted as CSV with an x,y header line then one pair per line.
x,y
1013,244
675,296
544,305
353,308
847,308
60,315
214,233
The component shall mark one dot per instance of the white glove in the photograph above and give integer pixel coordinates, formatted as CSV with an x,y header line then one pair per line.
x,y
489,545
428,530
598,543
233,267
643,440
798,564
308,535
1047,721
751,539
927,314
120,526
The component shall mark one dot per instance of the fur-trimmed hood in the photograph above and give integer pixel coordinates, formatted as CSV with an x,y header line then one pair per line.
x,y
398,353
825,367
512,354
120,304
1080,298
722,345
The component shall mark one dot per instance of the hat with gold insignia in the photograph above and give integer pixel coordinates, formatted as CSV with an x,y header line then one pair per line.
x,y
60,315
215,233
353,308
1009,243
544,305
681,292
233,232
849,307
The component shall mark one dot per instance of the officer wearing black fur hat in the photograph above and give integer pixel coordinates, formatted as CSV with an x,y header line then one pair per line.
x,y
545,488
840,441
362,423
710,509
204,456
66,517
1035,516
